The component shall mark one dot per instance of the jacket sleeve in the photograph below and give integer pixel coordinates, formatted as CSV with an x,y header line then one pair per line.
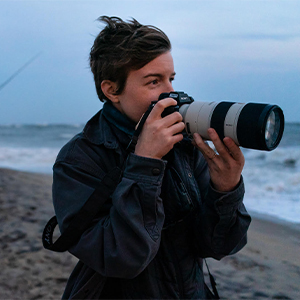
x,y
222,220
125,236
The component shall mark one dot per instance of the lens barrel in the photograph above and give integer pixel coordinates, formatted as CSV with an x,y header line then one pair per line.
x,y
252,125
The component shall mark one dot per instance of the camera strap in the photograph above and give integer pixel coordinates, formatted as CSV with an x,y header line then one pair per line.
x,y
212,282
139,127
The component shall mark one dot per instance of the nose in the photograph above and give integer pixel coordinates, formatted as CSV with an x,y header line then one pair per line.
x,y
169,87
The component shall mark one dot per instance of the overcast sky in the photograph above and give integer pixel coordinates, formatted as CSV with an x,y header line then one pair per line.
x,y
244,51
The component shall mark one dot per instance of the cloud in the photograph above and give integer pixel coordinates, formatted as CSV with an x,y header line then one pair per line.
x,y
215,44
262,36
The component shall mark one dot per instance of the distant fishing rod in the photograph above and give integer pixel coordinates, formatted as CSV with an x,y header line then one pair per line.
x,y
19,70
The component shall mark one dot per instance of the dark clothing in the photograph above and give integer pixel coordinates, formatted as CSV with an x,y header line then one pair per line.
x,y
162,219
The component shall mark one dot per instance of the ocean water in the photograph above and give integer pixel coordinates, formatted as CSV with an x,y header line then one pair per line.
x,y
272,179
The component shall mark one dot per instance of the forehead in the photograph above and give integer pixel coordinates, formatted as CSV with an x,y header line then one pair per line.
x,y
162,65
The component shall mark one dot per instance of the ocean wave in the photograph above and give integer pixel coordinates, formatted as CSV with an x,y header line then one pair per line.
x,y
28,159
284,208
280,157
65,136
273,184
42,125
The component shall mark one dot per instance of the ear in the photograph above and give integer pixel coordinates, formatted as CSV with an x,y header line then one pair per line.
x,y
109,88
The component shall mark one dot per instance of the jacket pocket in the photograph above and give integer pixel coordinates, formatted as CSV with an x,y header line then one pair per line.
x,y
176,199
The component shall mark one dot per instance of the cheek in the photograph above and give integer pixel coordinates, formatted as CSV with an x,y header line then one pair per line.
x,y
134,109
138,107
138,111
135,104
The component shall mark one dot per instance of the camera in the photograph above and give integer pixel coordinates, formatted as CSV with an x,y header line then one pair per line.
x,y
251,125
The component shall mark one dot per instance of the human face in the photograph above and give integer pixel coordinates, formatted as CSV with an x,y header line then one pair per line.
x,y
145,85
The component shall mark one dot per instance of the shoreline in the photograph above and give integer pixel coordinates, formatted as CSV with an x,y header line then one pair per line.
x,y
274,219
254,214
268,267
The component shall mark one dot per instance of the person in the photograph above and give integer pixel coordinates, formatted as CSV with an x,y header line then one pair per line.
x,y
177,201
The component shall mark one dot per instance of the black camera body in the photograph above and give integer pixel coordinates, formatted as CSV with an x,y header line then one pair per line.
x,y
181,98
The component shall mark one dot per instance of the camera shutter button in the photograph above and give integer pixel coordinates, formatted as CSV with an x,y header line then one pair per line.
x,y
156,171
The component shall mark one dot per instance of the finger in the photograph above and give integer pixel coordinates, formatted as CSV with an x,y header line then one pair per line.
x,y
177,138
227,148
219,145
207,151
233,149
172,118
176,128
160,106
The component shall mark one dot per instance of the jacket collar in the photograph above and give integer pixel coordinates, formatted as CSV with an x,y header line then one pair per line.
x,y
119,120
108,126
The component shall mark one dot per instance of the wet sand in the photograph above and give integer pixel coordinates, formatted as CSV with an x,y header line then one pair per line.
x,y
267,268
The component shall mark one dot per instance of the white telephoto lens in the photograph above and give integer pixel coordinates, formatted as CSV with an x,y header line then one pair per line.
x,y
231,121
197,116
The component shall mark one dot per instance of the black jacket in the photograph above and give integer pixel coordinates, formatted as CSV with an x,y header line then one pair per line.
x,y
163,218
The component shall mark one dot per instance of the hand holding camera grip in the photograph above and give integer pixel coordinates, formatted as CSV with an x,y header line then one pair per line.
x,y
169,110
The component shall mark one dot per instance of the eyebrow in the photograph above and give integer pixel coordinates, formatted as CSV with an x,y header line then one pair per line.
x,y
156,75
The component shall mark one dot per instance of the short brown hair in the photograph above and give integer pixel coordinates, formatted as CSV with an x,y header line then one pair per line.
x,y
124,46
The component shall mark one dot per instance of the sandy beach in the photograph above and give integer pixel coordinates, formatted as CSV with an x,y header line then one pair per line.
x,y
267,268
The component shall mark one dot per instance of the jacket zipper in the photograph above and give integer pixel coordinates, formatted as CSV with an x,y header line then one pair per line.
x,y
183,188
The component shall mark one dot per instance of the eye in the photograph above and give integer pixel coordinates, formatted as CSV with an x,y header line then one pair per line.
x,y
154,82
